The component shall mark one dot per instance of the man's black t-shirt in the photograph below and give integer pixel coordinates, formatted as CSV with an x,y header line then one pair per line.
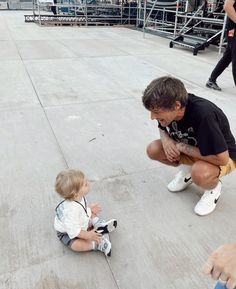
x,y
230,24
205,126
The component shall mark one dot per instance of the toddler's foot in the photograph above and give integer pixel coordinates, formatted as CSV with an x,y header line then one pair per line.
x,y
105,245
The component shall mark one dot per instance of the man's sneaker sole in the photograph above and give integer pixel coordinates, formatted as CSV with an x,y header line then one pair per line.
x,y
108,228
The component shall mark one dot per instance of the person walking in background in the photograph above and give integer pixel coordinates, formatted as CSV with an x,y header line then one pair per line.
x,y
230,52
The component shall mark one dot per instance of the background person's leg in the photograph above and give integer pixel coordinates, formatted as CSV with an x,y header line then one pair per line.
x,y
222,64
234,58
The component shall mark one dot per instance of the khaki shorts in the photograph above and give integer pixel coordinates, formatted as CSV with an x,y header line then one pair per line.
x,y
224,170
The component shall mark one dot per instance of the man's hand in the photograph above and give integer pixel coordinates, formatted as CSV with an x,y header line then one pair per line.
x,y
222,265
170,149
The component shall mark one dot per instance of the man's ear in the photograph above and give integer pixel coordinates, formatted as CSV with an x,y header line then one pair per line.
x,y
178,105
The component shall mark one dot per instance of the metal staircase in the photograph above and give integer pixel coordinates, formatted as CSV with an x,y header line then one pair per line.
x,y
200,31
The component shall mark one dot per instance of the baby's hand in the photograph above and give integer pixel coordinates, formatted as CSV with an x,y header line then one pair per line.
x,y
96,209
93,235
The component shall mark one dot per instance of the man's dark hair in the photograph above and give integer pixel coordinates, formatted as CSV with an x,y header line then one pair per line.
x,y
163,93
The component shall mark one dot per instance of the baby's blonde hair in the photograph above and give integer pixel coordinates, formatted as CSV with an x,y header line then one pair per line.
x,y
68,183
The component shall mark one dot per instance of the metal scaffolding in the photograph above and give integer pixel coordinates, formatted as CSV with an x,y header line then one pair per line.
x,y
193,25
158,16
89,12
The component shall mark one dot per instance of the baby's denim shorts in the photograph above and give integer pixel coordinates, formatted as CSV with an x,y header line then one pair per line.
x,y
65,239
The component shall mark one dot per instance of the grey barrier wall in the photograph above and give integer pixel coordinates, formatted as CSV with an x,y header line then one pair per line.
x,y
15,4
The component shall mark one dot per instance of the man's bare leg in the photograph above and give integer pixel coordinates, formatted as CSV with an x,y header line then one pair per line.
x,y
205,175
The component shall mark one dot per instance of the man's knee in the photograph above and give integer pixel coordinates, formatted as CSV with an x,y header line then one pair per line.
x,y
201,174
154,149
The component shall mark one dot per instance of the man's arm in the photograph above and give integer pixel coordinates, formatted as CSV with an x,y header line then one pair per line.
x,y
164,135
169,146
229,9
218,160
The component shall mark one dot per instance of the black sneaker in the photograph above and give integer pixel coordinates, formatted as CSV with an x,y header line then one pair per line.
x,y
213,85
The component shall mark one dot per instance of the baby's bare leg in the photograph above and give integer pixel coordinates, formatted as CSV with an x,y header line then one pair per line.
x,y
81,245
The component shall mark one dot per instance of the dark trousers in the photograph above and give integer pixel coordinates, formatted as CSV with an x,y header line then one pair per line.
x,y
54,10
228,56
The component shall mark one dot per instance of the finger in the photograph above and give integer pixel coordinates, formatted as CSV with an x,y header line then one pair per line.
x,y
216,272
170,159
176,150
172,154
208,266
222,282
223,278
231,283
98,240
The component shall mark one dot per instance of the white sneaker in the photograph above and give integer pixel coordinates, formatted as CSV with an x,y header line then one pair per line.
x,y
181,181
105,226
208,201
105,245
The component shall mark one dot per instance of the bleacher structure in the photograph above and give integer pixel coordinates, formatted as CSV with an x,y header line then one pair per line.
x,y
80,12
193,25
15,4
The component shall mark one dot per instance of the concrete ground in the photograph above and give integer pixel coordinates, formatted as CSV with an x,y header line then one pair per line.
x,y
71,97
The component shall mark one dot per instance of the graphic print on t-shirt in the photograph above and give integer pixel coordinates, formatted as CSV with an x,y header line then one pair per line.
x,y
60,211
186,137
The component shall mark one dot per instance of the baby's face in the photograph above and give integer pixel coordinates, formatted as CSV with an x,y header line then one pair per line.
x,y
85,188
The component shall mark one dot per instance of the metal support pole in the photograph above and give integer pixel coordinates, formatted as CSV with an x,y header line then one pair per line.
x,y
149,14
138,13
33,4
129,13
176,17
86,14
144,17
122,6
163,18
222,33
39,13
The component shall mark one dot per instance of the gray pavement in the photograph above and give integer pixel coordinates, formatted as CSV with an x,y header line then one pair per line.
x,y
71,97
